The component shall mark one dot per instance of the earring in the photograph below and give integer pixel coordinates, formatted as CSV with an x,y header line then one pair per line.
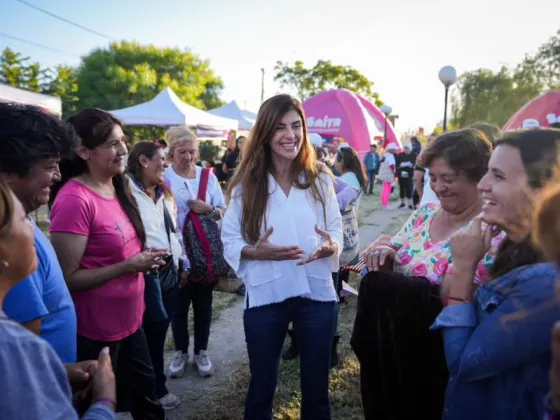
x,y
145,166
3,267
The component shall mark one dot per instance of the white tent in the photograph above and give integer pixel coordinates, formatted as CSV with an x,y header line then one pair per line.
x,y
167,109
245,118
12,94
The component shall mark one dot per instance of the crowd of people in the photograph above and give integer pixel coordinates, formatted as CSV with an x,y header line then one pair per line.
x,y
455,317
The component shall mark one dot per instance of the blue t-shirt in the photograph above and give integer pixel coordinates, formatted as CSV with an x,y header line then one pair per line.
x,y
44,294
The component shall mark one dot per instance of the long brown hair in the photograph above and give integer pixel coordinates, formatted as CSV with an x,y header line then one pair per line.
x,y
539,153
351,162
256,163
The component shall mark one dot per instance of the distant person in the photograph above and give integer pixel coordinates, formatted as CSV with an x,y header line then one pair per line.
x,y
406,160
371,162
416,146
387,173
232,160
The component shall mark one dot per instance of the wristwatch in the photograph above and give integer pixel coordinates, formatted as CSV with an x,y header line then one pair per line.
x,y
214,213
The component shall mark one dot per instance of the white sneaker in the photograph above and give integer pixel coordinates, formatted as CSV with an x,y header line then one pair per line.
x,y
203,364
169,402
177,366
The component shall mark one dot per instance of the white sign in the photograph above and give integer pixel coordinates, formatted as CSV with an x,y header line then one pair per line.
x,y
325,124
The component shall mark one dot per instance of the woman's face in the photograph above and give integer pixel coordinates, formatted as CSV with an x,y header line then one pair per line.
x,y
17,249
454,190
152,169
505,192
338,165
185,155
108,158
241,144
287,139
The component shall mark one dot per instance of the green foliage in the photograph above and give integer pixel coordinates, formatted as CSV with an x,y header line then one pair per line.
x,y
59,81
62,82
12,68
323,76
484,95
208,150
127,73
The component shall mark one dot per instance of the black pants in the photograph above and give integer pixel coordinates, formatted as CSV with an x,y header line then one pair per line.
x,y
133,371
415,198
201,297
403,371
156,333
405,187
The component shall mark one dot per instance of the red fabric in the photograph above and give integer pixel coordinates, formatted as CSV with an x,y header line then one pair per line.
x,y
392,167
197,224
539,108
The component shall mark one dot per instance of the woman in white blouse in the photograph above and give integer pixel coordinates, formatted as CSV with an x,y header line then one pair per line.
x,y
183,178
282,234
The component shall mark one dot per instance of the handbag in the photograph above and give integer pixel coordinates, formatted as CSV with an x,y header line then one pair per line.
x,y
351,237
168,274
205,250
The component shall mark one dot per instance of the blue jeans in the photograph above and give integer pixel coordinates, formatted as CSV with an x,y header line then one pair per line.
x,y
371,180
265,330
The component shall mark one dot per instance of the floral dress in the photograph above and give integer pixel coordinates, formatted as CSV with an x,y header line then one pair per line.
x,y
421,256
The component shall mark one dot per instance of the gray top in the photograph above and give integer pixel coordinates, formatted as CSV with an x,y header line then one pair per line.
x,y
33,380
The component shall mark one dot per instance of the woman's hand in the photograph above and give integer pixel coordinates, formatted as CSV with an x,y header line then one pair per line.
x,y
327,247
184,278
147,261
103,383
378,256
199,206
264,250
80,373
469,244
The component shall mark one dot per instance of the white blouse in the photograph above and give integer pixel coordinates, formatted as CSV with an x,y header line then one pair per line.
x,y
154,223
294,218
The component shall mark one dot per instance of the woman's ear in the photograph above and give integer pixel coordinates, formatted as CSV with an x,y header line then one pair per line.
x,y
83,152
143,160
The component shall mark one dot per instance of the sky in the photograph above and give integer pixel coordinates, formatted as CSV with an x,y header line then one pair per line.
x,y
399,45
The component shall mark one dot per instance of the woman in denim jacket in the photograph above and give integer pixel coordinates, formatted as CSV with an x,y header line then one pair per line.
x,y
497,337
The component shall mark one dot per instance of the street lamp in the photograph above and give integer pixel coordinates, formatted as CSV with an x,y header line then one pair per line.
x,y
447,76
386,109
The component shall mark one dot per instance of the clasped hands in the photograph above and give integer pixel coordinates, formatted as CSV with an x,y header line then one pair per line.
x,y
265,250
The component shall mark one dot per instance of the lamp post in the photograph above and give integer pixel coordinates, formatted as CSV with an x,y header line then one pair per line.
x,y
447,76
386,109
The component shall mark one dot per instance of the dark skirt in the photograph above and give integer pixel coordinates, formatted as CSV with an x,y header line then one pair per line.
x,y
403,372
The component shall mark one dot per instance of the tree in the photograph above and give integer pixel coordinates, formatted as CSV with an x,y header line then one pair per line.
x,y
548,58
33,77
62,82
127,73
493,97
12,68
323,76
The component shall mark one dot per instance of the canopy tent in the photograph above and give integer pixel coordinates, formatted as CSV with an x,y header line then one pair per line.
x,y
545,109
49,103
167,109
246,119
342,113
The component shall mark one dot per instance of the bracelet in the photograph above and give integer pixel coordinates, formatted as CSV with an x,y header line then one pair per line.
x,y
107,401
455,299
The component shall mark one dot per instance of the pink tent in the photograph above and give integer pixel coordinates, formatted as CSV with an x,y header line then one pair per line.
x,y
545,109
342,113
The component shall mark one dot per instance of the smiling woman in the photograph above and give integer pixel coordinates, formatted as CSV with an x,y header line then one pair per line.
x,y
99,238
282,234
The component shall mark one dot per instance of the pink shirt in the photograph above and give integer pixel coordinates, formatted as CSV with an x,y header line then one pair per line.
x,y
114,310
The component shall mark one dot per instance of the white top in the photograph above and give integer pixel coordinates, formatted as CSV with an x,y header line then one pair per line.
x,y
154,222
351,179
428,195
390,159
294,218
185,189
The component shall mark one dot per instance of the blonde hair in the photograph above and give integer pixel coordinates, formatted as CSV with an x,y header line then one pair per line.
x,y
177,136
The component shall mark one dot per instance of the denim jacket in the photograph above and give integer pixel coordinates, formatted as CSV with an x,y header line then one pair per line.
x,y
498,347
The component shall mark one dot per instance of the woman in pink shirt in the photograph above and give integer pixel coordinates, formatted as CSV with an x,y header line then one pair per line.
x,y
99,238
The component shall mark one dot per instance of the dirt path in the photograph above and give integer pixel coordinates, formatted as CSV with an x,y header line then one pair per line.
x,y
227,340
